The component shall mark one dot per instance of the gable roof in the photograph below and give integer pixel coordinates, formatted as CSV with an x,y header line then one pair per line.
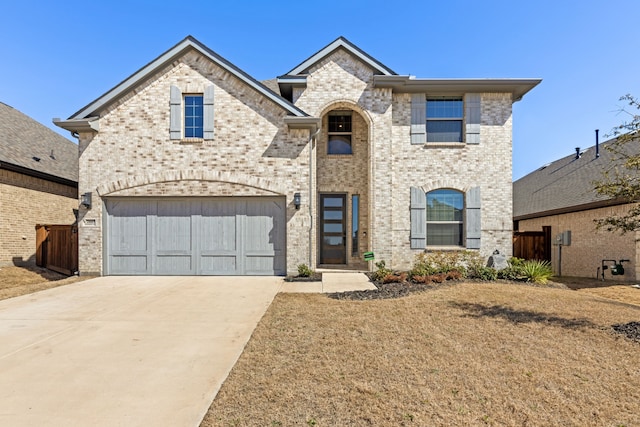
x,y
565,185
28,147
343,43
169,56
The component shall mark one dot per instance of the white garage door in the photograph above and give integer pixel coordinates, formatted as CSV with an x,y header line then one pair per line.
x,y
195,236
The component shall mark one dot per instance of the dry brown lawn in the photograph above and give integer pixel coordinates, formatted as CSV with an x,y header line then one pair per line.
x,y
469,354
16,281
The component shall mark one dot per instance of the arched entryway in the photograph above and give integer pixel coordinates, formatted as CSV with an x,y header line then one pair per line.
x,y
343,158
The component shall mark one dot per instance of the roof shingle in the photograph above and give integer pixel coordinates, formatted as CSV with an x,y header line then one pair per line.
x,y
23,140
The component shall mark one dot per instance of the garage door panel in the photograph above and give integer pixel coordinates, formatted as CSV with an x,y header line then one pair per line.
x,y
218,225
128,226
209,236
129,264
174,227
218,264
173,265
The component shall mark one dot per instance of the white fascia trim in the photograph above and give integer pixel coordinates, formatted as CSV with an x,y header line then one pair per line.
x,y
409,84
79,125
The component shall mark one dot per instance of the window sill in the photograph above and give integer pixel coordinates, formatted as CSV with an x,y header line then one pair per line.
x,y
445,145
445,248
191,141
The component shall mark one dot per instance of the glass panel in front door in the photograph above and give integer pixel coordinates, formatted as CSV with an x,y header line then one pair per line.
x,y
333,229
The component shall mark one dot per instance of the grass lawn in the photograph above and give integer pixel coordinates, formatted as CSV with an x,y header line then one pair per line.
x,y
468,354
16,281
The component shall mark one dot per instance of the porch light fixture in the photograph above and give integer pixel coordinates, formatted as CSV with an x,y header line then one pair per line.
x,y
85,200
296,200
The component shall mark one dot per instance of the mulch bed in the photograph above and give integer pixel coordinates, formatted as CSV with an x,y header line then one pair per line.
x,y
402,289
630,330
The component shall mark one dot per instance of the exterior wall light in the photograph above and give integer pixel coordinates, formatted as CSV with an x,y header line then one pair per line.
x,y
296,200
85,200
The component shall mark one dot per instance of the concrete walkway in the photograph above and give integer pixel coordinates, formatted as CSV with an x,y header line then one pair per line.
x,y
331,282
125,351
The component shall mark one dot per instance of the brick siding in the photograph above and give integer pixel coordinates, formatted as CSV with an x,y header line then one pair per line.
x,y
24,202
589,246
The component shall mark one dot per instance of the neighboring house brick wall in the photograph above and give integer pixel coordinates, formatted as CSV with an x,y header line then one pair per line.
x,y
589,246
253,152
24,202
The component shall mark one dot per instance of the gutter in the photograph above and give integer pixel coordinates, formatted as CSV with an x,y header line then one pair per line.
x,y
409,84
76,126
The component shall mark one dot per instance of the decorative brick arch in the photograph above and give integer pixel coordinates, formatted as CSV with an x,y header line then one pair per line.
x,y
452,183
191,175
337,104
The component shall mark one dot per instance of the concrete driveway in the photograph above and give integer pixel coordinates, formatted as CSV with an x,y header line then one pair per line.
x,y
125,351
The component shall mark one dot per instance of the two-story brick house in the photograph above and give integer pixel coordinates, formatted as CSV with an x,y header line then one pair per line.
x,y
197,168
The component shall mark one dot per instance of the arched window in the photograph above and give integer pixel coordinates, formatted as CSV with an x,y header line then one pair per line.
x,y
445,217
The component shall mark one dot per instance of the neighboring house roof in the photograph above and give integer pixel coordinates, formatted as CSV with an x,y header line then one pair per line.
x,y
29,147
93,109
565,185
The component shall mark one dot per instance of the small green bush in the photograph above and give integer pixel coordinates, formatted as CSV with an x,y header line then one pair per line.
x,y
483,273
537,271
381,271
304,271
513,270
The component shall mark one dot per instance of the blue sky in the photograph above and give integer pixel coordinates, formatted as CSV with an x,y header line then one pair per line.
x,y
56,57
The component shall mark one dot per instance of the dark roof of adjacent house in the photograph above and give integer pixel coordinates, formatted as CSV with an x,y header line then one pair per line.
x,y
565,185
31,148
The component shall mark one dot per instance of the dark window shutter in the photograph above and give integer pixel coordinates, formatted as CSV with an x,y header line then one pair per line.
x,y
418,118
175,126
472,118
418,218
473,216
208,113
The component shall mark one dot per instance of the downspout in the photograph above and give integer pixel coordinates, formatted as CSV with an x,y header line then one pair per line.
x,y
312,138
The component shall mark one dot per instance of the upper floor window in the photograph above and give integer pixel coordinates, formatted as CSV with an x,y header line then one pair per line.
x,y
445,212
193,116
444,119
339,133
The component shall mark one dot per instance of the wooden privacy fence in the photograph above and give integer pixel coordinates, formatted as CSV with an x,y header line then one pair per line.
x,y
533,244
57,248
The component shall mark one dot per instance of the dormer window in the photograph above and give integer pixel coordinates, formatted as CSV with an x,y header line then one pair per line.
x,y
339,133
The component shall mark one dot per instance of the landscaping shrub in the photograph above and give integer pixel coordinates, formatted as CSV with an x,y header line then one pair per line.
x,y
537,271
304,271
381,271
513,270
395,278
430,263
483,273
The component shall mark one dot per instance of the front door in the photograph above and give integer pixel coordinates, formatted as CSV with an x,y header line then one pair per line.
x,y
333,233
